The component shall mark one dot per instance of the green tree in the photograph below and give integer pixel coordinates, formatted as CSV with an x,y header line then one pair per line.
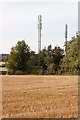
x,y
18,57
71,62
33,59
58,55
50,58
42,56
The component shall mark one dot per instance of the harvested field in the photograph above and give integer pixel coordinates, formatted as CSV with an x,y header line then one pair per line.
x,y
39,96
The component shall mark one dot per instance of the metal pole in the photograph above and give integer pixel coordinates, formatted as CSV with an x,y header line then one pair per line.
x,y
39,37
66,37
39,32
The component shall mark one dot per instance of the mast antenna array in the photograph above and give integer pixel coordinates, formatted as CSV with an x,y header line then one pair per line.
x,y
39,32
66,32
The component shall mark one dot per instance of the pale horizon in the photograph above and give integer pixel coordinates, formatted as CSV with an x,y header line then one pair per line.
x,y
19,22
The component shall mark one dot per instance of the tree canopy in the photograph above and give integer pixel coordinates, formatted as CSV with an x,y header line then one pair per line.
x,y
71,62
22,60
18,57
50,58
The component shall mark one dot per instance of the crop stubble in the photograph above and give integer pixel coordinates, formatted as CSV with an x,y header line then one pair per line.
x,y
39,96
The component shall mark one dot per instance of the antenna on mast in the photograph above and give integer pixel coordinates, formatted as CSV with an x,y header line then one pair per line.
x,y
39,32
39,37
66,32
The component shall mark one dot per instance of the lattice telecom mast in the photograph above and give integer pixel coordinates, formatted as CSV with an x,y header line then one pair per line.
x,y
39,32
66,27
79,18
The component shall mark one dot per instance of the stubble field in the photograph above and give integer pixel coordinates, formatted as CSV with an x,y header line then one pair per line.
x,y
39,96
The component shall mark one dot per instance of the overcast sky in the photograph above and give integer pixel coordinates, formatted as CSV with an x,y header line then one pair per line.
x,y
18,21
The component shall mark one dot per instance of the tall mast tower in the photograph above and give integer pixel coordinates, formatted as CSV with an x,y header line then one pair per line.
x,y
66,27
79,18
39,32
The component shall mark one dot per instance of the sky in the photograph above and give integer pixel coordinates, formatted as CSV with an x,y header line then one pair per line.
x,y
19,18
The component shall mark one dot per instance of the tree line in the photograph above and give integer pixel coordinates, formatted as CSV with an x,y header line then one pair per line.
x,y
51,61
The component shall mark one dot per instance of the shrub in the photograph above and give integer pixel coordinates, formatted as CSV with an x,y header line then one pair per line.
x,y
10,72
3,72
0,72
19,72
53,72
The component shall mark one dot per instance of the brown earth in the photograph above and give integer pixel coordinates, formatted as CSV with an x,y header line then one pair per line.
x,y
39,96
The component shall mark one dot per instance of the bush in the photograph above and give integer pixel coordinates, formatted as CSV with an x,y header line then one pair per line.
x,y
19,72
36,70
61,71
4,72
39,72
10,72
53,72
0,72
